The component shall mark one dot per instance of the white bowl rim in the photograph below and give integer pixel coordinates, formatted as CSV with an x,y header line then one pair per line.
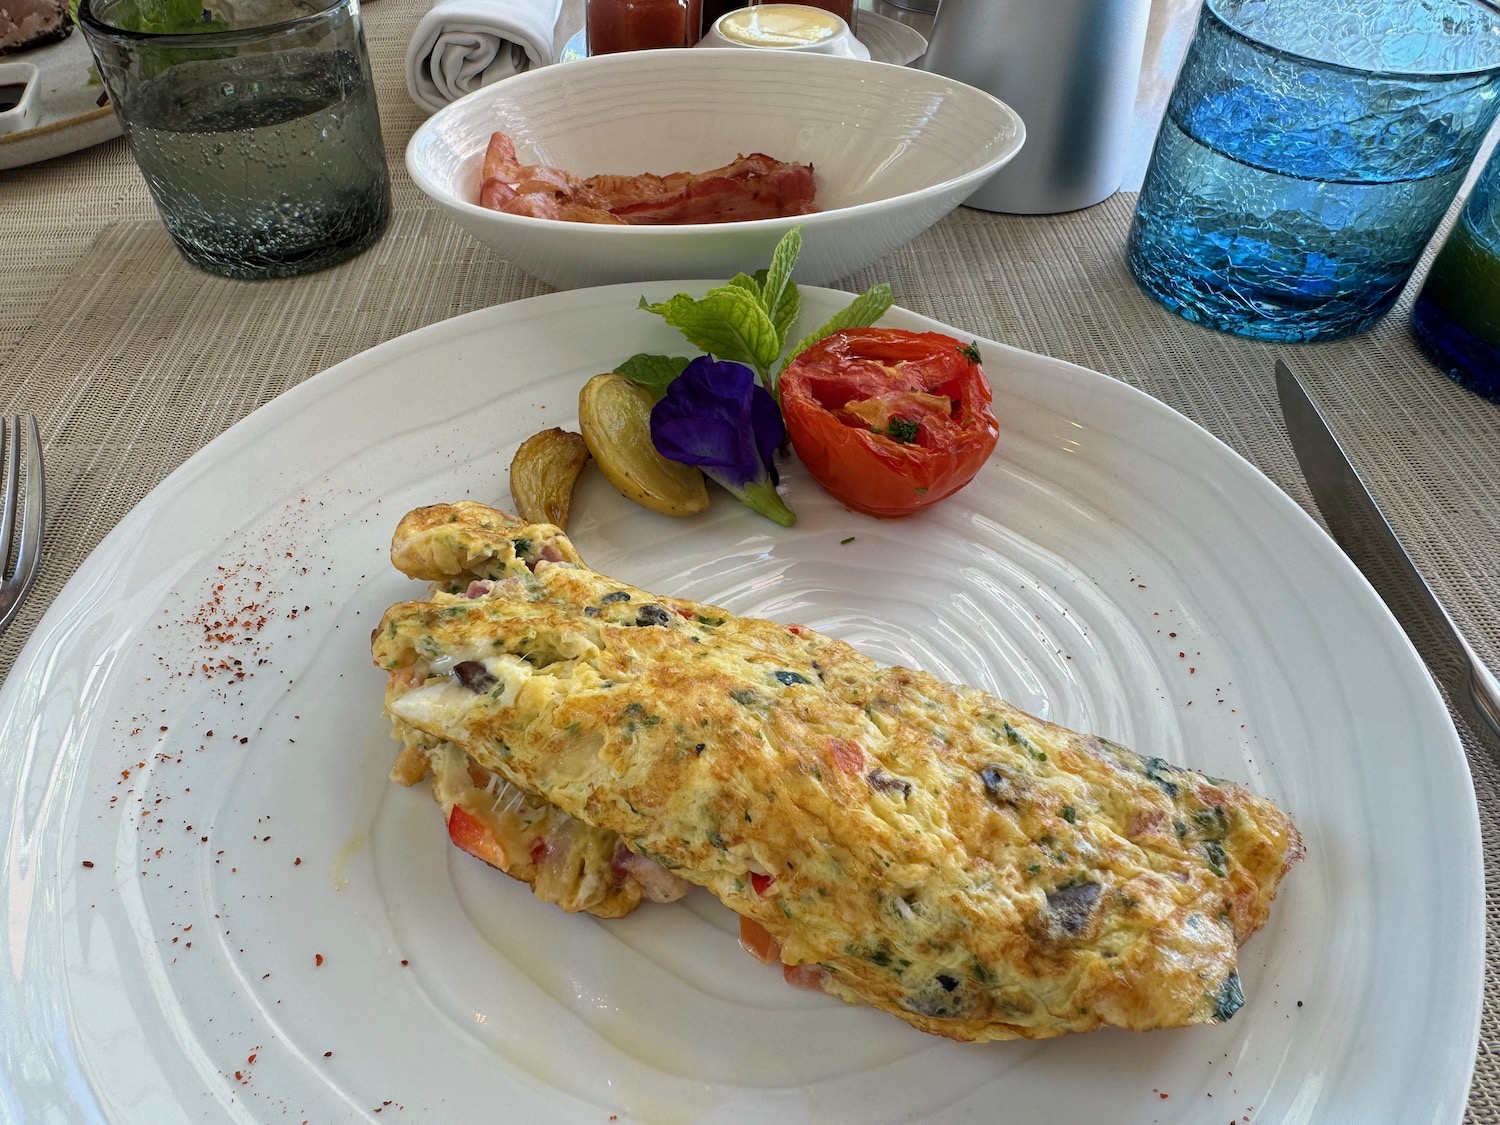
x,y
685,230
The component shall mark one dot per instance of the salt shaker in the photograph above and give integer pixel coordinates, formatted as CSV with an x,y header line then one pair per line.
x,y
1069,68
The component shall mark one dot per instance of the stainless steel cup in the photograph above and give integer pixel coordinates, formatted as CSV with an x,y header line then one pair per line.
x,y
1069,68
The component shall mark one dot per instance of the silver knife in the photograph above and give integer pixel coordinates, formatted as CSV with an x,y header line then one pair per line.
x,y
1361,529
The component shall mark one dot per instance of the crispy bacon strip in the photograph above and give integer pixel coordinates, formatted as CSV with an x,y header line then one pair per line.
x,y
537,190
749,187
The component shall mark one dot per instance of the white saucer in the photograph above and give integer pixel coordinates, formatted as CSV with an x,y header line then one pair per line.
x,y
889,41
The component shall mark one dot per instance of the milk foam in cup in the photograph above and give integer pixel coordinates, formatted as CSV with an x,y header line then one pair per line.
x,y
785,27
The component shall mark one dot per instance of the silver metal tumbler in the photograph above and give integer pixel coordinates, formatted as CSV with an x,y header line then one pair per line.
x,y
1070,69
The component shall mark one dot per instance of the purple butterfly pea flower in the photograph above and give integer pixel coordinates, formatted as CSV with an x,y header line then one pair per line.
x,y
717,417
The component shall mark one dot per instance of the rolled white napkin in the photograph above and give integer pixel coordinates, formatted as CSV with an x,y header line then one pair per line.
x,y
461,45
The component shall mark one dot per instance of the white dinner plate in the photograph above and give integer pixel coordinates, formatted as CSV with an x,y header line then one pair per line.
x,y
215,907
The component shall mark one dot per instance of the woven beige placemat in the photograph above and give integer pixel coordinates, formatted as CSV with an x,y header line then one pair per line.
x,y
153,359
53,210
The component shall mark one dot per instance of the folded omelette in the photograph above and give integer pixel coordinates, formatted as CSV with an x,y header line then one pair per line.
x,y
918,846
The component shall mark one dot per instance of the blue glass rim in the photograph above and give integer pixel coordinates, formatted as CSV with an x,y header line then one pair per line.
x,y
1211,9
93,25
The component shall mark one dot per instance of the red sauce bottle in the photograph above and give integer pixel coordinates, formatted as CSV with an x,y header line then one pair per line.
x,y
641,25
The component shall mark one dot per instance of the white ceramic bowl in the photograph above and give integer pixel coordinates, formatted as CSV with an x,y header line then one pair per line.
x,y
893,150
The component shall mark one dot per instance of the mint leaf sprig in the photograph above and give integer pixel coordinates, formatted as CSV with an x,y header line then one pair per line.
x,y
654,372
724,414
163,17
747,321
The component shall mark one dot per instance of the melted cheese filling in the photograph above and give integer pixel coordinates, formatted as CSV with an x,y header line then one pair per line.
x,y
443,702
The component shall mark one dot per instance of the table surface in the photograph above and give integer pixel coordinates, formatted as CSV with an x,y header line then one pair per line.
x,y
132,361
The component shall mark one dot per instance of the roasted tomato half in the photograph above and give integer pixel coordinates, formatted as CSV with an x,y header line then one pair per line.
x,y
887,420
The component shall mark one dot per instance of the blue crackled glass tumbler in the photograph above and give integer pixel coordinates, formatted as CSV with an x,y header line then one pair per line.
x,y
1308,153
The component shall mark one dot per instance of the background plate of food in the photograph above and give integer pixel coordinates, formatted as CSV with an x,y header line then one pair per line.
x,y
216,905
67,96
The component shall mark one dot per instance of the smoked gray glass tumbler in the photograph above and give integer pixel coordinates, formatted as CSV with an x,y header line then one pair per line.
x,y
254,124
1309,151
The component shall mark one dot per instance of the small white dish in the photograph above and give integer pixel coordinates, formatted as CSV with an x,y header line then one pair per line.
x,y
18,103
792,28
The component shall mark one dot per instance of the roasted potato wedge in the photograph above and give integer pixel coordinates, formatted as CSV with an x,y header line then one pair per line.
x,y
543,473
615,417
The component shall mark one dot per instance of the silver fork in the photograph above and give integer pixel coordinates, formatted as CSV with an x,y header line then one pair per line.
x,y
20,552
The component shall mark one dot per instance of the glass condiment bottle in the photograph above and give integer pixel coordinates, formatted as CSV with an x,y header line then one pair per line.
x,y
640,25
